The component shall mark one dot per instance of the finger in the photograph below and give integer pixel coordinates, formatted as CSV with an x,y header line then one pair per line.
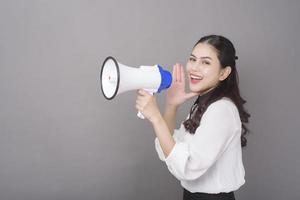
x,y
178,73
141,100
146,94
182,77
138,107
142,92
174,73
138,102
139,96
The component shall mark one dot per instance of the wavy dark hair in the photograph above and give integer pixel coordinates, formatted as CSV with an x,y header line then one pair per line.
x,y
226,88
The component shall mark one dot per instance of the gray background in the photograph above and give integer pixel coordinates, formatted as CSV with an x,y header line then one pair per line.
x,y
60,139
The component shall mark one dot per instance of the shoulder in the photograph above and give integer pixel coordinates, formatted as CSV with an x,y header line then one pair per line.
x,y
225,103
223,109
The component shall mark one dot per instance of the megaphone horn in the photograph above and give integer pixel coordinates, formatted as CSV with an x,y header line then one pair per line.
x,y
110,78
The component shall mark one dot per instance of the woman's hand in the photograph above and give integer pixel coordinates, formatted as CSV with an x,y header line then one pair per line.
x,y
146,104
176,94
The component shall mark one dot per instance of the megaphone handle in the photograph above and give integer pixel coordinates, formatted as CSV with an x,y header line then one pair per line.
x,y
139,114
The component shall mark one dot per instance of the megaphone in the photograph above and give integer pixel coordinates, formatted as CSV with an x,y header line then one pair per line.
x,y
117,78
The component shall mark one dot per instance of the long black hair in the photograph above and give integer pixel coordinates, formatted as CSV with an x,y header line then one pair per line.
x,y
227,88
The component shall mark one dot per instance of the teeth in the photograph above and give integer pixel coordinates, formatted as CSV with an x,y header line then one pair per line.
x,y
195,77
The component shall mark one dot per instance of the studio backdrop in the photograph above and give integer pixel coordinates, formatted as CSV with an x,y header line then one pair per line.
x,y
61,139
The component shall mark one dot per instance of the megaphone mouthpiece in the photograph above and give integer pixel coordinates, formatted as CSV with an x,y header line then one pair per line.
x,y
166,79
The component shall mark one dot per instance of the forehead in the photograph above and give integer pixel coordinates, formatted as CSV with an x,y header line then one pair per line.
x,y
204,50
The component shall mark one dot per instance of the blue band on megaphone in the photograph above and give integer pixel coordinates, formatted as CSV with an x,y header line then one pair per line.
x,y
166,79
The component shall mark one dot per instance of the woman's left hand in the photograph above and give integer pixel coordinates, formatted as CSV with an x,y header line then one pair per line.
x,y
146,104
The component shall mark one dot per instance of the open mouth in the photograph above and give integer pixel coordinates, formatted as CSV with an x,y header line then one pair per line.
x,y
195,79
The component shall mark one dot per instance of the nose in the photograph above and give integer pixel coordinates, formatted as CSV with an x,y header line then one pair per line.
x,y
195,66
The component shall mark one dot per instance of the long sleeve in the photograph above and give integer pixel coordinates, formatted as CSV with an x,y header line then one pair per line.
x,y
177,138
194,154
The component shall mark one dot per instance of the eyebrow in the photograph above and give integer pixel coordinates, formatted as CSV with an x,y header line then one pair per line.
x,y
202,57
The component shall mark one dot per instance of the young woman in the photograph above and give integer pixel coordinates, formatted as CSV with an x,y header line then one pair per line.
x,y
205,153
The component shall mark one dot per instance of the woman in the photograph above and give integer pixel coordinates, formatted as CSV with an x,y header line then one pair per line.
x,y
205,153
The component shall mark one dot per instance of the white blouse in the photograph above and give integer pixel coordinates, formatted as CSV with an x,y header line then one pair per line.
x,y
209,161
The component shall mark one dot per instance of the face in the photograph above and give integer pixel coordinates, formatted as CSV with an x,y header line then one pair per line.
x,y
203,69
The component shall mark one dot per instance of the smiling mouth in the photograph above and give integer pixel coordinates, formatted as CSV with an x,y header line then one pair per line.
x,y
195,78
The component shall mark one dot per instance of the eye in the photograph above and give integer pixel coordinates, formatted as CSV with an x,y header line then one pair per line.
x,y
205,62
191,59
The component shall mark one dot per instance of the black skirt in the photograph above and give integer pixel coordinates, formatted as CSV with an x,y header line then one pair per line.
x,y
187,195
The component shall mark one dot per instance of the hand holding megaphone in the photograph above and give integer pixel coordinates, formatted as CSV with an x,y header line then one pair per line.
x,y
117,78
139,114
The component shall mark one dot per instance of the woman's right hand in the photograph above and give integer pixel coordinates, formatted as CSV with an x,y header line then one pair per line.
x,y
176,94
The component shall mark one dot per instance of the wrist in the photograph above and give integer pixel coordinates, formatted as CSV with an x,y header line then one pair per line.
x,y
156,119
171,107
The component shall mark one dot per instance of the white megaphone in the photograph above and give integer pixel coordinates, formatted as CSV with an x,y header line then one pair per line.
x,y
117,78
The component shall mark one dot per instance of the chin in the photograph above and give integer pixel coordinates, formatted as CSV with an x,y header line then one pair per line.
x,y
199,89
195,89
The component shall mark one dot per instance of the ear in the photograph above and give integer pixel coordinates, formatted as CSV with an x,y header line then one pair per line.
x,y
225,73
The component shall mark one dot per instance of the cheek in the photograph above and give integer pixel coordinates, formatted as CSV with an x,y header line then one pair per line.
x,y
188,66
207,72
210,72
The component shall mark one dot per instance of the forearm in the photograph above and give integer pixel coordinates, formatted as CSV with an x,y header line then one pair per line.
x,y
170,117
163,135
